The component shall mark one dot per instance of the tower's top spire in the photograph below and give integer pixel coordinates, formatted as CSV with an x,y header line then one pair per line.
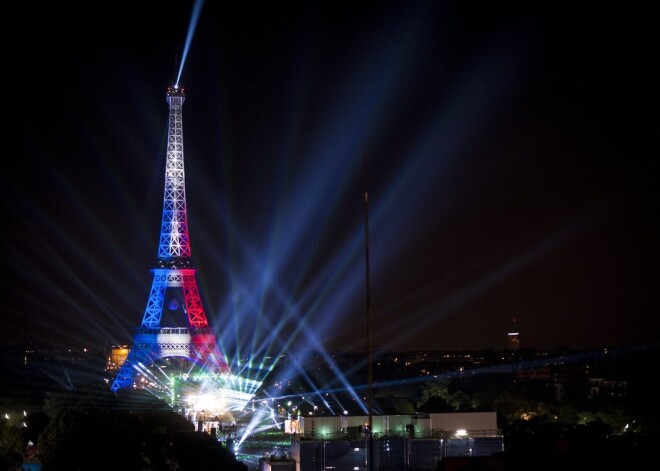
x,y
175,90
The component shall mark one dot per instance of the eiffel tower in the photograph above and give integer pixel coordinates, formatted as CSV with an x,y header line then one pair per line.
x,y
174,284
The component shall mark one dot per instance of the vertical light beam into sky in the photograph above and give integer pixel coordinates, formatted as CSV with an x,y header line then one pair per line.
x,y
197,8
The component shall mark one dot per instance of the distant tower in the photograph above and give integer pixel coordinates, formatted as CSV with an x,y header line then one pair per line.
x,y
513,337
174,284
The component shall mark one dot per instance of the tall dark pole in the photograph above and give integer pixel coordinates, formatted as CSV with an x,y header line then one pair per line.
x,y
370,445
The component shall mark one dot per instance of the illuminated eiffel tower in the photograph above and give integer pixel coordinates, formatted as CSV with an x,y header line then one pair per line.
x,y
175,288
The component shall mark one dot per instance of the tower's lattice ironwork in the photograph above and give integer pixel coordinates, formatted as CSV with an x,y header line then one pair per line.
x,y
174,288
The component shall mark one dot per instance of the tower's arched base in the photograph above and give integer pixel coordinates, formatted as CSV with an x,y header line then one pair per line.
x,y
183,365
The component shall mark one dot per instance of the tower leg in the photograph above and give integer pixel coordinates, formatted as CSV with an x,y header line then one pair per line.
x,y
126,375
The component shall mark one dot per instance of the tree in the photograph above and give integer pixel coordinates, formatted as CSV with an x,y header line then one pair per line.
x,y
92,428
512,406
459,401
12,444
394,400
36,423
435,396
99,440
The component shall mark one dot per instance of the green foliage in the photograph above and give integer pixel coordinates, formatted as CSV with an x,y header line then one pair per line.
x,y
396,405
511,406
11,460
435,394
614,417
12,439
12,444
567,413
89,440
459,401
584,417
483,399
394,400
98,397
93,396
36,423
92,428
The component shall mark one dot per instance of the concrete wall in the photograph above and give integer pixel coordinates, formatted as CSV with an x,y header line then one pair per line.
x,y
476,423
479,422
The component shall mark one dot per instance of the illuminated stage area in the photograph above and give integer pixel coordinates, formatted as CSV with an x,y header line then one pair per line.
x,y
194,390
214,393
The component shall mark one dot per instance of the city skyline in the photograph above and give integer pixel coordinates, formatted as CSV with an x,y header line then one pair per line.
x,y
504,150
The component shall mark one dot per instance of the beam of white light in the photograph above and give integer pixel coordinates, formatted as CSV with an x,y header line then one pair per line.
x,y
310,208
197,8
56,258
430,164
372,99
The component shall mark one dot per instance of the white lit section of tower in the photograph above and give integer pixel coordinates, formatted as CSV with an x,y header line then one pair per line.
x,y
174,247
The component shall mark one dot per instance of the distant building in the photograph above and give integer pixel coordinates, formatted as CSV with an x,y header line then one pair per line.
x,y
513,337
534,374
435,425
607,388
72,356
513,341
118,355
419,441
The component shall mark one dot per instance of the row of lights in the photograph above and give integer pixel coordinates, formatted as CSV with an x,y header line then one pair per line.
x,y
24,415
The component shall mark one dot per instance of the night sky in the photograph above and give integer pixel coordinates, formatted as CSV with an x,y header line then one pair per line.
x,y
507,148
